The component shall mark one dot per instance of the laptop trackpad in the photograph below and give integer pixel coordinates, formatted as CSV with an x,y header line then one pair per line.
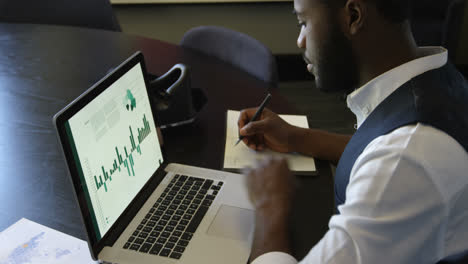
x,y
233,223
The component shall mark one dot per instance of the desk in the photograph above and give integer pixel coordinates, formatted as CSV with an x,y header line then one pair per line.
x,y
43,68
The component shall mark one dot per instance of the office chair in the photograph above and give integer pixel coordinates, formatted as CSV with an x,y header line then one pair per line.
x,y
81,13
236,48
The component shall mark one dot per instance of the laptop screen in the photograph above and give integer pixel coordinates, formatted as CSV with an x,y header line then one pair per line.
x,y
115,146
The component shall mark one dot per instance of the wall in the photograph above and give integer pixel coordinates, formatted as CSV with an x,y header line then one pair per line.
x,y
272,23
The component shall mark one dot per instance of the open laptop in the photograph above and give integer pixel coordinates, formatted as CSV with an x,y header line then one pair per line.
x,y
136,206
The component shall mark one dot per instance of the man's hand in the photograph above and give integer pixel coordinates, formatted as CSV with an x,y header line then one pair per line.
x,y
269,131
271,189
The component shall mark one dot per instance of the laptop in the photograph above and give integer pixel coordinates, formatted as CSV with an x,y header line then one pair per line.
x,y
136,206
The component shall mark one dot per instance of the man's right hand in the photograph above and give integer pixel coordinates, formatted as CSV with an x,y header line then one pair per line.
x,y
269,131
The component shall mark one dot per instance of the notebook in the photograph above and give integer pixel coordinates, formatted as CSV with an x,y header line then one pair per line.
x,y
241,156
136,206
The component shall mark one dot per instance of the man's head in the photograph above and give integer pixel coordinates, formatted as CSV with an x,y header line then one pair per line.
x,y
333,34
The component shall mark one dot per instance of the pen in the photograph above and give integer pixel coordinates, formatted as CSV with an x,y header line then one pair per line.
x,y
256,115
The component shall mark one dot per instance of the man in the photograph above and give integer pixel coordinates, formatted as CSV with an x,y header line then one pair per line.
x,y
402,180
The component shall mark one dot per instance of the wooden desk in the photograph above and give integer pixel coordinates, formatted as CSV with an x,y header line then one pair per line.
x,y
42,68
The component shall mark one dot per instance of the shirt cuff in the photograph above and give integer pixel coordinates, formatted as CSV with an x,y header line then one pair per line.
x,y
275,257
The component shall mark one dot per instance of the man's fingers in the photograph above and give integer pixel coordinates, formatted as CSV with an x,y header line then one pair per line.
x,y
254,128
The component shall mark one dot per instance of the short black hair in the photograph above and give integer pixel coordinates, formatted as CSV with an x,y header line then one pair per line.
x,y
393,10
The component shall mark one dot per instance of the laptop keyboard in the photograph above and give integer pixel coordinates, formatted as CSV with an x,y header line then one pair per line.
x,y
169,225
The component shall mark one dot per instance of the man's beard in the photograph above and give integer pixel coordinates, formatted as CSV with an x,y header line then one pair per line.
x,y
336,66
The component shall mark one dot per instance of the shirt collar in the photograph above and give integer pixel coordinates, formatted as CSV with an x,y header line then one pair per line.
x,y
365,99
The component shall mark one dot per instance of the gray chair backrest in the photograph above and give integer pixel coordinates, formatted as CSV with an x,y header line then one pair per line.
x,y
81,13
236,48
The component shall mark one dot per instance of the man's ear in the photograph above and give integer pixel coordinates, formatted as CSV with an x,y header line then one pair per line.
x,y
356,15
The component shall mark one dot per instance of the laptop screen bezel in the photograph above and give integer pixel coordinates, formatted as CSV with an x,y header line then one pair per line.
x,y
60,121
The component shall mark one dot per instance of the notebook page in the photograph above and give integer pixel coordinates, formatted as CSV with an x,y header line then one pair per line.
x,y
240,156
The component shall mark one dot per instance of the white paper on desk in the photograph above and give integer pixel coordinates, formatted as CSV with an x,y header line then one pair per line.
x,y
29,242
240,156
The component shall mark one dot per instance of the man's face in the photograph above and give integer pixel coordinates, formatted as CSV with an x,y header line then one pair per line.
x,y
327,51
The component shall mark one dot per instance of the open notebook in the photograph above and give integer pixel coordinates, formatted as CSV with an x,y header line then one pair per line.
x,y
240,156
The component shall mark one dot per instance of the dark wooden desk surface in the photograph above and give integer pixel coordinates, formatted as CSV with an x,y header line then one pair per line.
x,y
42,68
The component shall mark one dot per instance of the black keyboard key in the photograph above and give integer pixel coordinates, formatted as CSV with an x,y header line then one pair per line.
x,y
207,184
154,234
197,201
176,176
173,192
180,228
155,218
176,217
184,192
177,233
165,234
182,243
135,233
179,249
207,202
145,248
127,245
159,228
187,236
180,197
151,223
173,207
169,245
179,212
169,228
175,255
186,202
176,201
200,196
186,187
162,208
173,223
210,197
147,216
162,223
197,218
131,239
183,177
162,240
187,216
151,240
184,222
196,187
190,197
166,217
165,252
155,249
182,207
173,239
143,235
147,229
134,247
220,183
169,198
215,192
203,191
139,227
192,193
166,203
139,241
193,207
198,182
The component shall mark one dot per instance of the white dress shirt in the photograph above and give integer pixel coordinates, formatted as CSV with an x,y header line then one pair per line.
x,y
407,197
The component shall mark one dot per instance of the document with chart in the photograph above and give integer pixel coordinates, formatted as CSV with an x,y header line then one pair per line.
x,y
241,156
115,146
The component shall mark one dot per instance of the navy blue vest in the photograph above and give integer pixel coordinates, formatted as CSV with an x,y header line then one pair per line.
x,y
438,98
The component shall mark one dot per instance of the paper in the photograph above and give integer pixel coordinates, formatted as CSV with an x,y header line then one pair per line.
x,y
240,156
28,242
